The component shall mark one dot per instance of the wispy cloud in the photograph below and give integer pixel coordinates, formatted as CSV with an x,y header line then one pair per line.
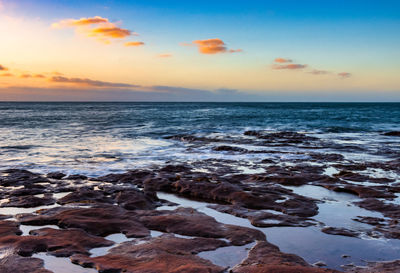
x,y
129,44
344,75
319,72
288,66
89,82
282,60
80,22
212,46
109,32
98,27
25,76
2,68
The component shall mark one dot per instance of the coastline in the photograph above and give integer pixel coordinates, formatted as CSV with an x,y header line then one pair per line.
x,y
173,208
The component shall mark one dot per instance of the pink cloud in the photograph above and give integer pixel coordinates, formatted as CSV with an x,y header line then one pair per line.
x,y
344,75
212,46
288,66
319,72
282,60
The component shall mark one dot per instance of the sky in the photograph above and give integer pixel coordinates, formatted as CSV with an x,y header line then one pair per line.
x,y
289,50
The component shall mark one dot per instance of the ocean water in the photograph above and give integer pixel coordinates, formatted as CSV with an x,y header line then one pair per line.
x,y
98,138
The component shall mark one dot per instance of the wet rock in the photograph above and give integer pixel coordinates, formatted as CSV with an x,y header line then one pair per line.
x,y
9,228
372,267
387,209
326,157
57,242
267,258
100,221
85,195
319,264
3,217
356,177
56,175
13,263
340,231
392,133
162,254
64,243
225,148
16,177
77,177
363,191
264,219
29,201
135,199
175,168
189,222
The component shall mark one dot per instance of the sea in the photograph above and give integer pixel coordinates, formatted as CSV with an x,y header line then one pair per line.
x,y
93,138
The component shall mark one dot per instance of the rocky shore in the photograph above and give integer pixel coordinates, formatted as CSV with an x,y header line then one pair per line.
x,y
72,217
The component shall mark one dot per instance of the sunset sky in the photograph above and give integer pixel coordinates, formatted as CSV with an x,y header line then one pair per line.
x,y
200,50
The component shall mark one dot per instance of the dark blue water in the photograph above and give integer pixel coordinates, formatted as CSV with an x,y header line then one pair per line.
x,y
99,137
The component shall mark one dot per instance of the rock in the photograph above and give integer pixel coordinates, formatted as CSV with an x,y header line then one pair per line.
x,y
61,243
76,177
55,175
225,148
135,199
64,243
29,201
319,264
17,264
189,222
392,133
162,254
85,195
100,221
378,267
267,258
340,231
9,228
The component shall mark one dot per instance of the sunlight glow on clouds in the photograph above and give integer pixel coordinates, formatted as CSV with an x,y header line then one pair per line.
x,y
212,46
104,30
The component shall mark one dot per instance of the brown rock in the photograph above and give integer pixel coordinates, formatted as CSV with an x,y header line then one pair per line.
x,y
162,254
100,221
267,258
17,264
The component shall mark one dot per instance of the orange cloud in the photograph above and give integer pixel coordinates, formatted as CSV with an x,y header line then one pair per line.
x,y
80,22
39,76
6,75
344,75
110,32
134,44
283,60
2,68
212,46
25,76
89,82
97,26
289,66
164,55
